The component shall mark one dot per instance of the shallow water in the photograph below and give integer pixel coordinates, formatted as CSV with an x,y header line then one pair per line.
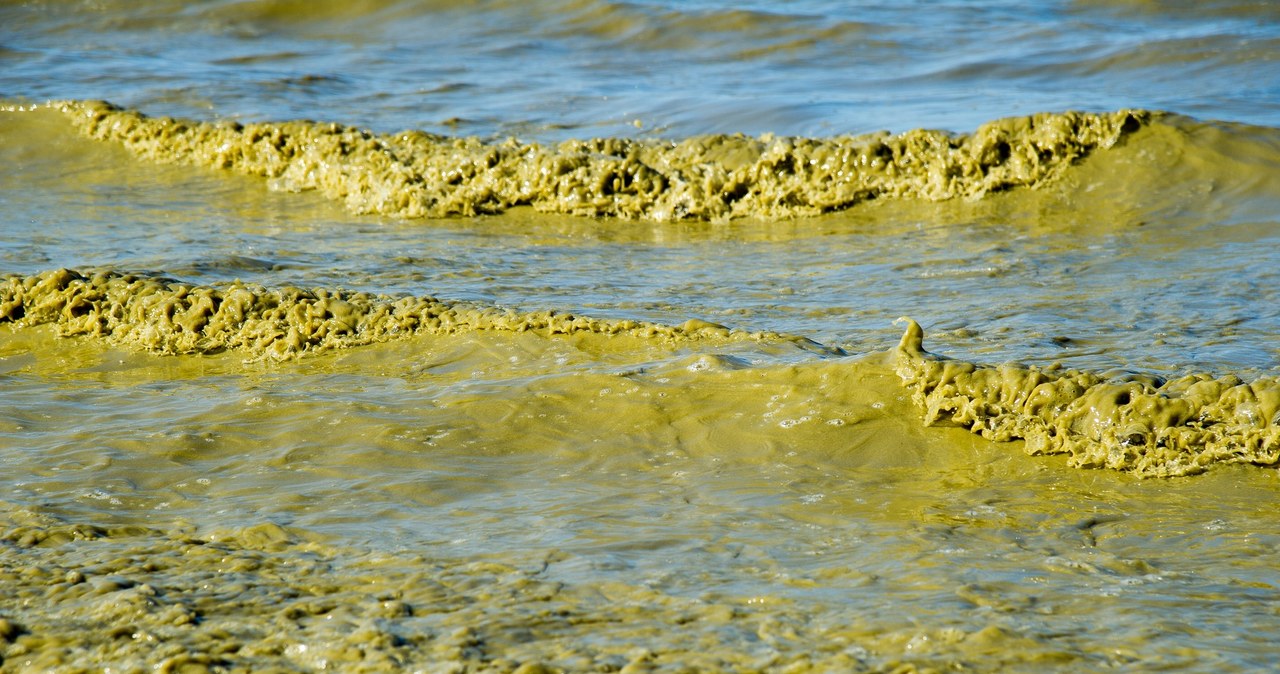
x,y
520,440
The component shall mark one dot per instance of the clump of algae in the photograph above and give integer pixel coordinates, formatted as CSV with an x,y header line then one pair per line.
x,y
81,597
171,317
1152,427
415,174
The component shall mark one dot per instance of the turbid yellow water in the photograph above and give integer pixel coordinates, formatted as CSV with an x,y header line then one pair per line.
x,y
779,514
563,337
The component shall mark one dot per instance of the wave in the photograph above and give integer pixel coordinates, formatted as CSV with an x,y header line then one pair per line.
x,y
415,174
1126,421
737,31
1129,422
167,316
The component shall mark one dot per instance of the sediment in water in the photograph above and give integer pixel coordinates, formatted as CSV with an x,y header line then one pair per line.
x,y
1143,424
171,317
415,174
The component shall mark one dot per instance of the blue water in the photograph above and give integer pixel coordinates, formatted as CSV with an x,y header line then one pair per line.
x,y
552,69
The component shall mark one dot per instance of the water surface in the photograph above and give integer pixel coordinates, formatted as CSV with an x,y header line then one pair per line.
x,y
554,459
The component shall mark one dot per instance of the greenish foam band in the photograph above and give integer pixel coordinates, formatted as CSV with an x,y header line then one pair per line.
x,y
419,175
171,317
1143,424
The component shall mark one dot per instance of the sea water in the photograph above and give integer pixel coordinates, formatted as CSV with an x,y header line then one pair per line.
x,y
560,336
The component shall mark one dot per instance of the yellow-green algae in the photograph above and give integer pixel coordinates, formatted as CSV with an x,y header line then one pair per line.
x,y
415,174
77,597
1146,425
1143,424
171,317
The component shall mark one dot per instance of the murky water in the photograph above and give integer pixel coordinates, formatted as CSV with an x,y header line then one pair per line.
x,y
329,395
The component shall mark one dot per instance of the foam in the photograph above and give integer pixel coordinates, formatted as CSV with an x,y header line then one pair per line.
x,y
171,317
420,175
1142,424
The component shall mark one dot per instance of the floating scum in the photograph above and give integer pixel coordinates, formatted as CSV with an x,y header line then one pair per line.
x,y
414,174
170,317
1141,424
1137,423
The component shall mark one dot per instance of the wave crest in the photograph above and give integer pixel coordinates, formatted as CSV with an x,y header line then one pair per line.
x,y
416,175
171,317
1146,425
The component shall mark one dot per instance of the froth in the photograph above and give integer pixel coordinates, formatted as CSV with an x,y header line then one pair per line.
x,y
1143,424
171,317
415,174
